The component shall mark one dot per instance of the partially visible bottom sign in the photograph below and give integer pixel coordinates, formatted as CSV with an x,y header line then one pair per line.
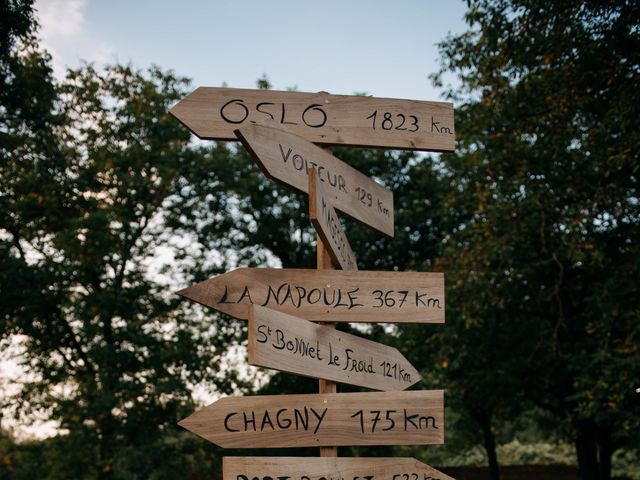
x,y
328,468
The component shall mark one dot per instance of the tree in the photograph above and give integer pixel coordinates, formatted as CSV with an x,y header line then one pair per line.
x,y
546,176
90,190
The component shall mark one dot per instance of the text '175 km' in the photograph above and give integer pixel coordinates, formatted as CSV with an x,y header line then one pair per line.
x,y
372,418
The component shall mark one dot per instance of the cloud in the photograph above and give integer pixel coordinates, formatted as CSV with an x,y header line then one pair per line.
x,y
61,19
64,33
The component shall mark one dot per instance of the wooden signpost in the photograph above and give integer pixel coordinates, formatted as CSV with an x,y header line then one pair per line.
x,y
214,113
313,468
286,158
294,345
326,295
324,218
279,130
371,418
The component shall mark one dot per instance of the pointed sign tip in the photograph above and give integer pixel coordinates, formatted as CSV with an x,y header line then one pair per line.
x,y
187,422
184,292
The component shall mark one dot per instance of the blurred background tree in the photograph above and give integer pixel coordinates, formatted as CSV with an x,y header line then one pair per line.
x,y
94,174
546,259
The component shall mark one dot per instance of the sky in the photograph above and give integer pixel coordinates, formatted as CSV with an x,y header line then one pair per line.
x,y
382,48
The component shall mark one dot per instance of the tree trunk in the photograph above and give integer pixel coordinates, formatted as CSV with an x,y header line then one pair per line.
x,y
605,452
107,429
105,471
587,451
484,420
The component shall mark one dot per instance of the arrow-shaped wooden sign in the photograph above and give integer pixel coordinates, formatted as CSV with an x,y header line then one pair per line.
x,y
326,222
315,468
326,295
285,158
214,113
330,419
294,345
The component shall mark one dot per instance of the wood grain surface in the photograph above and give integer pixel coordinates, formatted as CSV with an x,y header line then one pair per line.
x,y
313,468
326,295
294,345
287,158
214,113
371,418
325,220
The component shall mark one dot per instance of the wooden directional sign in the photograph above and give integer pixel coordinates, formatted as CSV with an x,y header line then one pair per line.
x,y
326,295
314,468
286,157
214,113
326,222
294,345
330,419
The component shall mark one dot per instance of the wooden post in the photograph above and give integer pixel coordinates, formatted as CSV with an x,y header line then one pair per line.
x,y
325,386
324,262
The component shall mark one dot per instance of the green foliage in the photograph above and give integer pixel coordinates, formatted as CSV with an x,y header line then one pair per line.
x,y
175,455
112,356
96,183
543,264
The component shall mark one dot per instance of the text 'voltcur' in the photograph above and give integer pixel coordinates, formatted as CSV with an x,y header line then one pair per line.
x,y
334,180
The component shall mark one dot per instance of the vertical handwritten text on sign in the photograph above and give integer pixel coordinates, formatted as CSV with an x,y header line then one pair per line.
x,y
326,222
